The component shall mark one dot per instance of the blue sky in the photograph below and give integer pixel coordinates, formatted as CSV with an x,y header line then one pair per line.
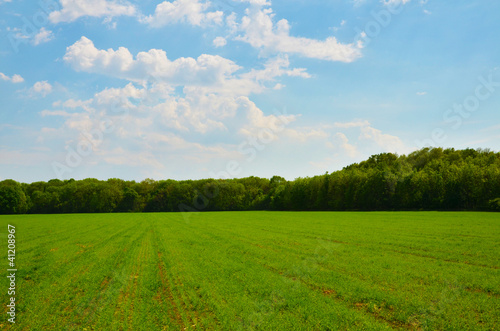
x,y
191,89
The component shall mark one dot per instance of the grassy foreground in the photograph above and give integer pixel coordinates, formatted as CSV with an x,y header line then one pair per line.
x,y
255,270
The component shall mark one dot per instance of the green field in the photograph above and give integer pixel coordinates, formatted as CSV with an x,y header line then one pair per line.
x,y
255,270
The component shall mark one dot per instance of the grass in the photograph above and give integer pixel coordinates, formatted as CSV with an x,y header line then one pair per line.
x,y
255,270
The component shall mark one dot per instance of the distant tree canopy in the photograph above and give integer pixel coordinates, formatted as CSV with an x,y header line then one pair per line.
x,y
428,179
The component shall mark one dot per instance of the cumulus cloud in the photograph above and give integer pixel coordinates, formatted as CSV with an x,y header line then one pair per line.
x,y
353,124
193,12
343,143
42,36
206,69
62,113
276,67
212,73
163,126
42,88
394,2
73,9
257,2
220,42
33,37
214,104
257,120
371,138
387,142
259,30
213,91
14,79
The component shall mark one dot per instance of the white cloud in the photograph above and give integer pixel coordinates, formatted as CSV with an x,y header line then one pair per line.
x,y
193,12
275,126
75,104
257,2
163,127
387,142
14,79
353,124
220,42
42,88
213,106
343,143
276,67
74,9
205,70
394,2
421,93
371,139
17,79
42,36
303,135
83,56
211,73
257,120
62,113
336,28
258,29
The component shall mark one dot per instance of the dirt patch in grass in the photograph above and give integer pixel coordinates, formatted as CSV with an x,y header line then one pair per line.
x,y
481,291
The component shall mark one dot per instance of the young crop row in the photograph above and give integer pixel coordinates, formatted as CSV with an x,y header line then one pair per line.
x,y
257,270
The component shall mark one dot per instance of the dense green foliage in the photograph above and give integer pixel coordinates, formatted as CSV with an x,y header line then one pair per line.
x,y
429,179
256,271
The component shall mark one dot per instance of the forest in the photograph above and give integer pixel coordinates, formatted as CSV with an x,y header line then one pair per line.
x,y
427,179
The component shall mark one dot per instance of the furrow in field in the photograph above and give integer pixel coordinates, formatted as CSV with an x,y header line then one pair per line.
x,y
428,256
369,249
178,246
165,294
107,270
122,310
250,263
444,260
269,271
483,292
427,251
328,291
60,238
331,293
72,257
99,306
368,284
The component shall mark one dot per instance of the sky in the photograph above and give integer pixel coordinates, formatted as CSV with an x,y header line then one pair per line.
x,y
191,89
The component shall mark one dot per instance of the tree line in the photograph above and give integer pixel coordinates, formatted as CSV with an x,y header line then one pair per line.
x,y
428,179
